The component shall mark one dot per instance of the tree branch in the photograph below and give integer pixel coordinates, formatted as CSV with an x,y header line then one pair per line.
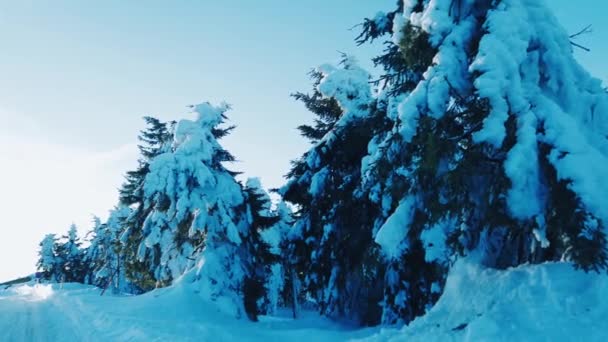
x,y
580,46
586,30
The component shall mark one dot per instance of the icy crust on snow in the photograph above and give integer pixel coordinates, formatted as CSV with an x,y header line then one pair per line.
x,y
547,302
525,69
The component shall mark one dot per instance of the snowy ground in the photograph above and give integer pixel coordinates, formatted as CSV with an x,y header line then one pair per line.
x,y
78,313
550,302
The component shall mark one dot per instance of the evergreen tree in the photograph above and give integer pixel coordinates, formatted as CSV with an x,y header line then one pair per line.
x,y
278,293
491,114
332,249
48,263
265,278
71,257
195,212
95,252
105,257
155,139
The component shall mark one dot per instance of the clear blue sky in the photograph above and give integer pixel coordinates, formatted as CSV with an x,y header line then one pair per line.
x,y
76,78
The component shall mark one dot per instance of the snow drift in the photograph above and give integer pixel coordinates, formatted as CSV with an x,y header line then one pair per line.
x,y
547,302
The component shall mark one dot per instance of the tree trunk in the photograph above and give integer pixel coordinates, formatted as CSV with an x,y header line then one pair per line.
x,y
294,292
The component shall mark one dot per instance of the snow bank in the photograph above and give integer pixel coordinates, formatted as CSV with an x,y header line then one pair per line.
x,y
33,293
548,302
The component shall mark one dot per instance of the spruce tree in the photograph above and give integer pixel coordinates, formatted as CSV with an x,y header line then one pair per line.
x,y
95,252
332,249
264,242
71,256
48,263
492,119
195,213
154,140
105,257
277,289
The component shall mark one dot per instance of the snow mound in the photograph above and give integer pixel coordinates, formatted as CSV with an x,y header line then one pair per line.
x,y
32,293
548,302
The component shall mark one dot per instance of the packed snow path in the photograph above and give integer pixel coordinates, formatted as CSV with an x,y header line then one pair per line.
x,y
30,313
78,313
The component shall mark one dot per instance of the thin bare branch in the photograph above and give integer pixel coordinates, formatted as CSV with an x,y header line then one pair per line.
x,y
580,46
586,30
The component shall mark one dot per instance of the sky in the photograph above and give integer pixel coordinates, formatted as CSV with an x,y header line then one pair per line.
x,y
76,79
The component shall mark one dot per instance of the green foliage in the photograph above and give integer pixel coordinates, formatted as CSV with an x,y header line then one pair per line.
x,y
333,254
155,139
574,234
327,110
416,51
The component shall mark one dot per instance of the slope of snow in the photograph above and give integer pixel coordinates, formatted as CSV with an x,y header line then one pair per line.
x,y
548,302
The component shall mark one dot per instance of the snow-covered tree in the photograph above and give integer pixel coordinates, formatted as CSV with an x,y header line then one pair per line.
x,y
94,253
71,256
332,248
264,247
105,256
195,214
497,150
62,260
278,292
154,140
48,263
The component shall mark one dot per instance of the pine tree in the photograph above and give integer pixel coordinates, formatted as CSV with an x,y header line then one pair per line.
x,y
71,257
265,275
278,292
155,139
332,249
491,114
95,252
48,263
105,257
195,213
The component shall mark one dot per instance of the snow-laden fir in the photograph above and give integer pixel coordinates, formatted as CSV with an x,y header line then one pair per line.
x,y
458,196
